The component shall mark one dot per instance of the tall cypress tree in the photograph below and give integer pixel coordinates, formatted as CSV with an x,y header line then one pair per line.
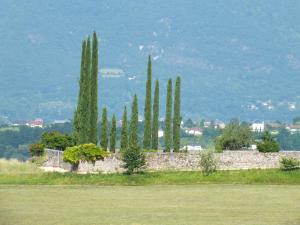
x,y
124,131
113,135
79,109
87,94
134,132
155,119
177,116
84,110
104,130
147,109
168,119
94,92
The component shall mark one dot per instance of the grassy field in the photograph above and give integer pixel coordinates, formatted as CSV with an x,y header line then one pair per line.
x,y
33,176
167,204
29,196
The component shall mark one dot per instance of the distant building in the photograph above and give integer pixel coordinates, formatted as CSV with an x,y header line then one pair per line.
x,y
119,123
207,124
194,131
111,73
36,123
160,133
193,148
219,124
293,128
61,121
258,126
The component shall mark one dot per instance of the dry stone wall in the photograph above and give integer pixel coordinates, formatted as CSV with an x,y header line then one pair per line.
x,y
228,160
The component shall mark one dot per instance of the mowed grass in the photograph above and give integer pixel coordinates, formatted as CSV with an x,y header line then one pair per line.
x,y
167,204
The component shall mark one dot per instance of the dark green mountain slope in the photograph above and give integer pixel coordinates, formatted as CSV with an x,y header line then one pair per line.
x,y
236,58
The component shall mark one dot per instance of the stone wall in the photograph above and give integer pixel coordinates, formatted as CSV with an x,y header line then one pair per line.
x,y
228,160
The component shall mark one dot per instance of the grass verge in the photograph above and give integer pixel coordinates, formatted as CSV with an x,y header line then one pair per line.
x,y
270,176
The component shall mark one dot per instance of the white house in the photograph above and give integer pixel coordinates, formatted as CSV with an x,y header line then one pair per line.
x,y
160,133
194,131
219,124
192,148
258,126
293,128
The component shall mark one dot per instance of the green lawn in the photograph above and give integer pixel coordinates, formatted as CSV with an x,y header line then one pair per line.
x,y
167,204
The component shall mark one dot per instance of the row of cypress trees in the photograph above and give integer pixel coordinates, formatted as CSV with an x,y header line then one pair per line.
x,y
86,112
85,125
106,134
172,124
151,123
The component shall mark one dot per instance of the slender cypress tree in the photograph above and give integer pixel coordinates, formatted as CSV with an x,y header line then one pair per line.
x,y
124,131
134,132
104,130
147,109
155,119
132,157
113,135
84,112
177,116
94,92
79,110
168,119
87,96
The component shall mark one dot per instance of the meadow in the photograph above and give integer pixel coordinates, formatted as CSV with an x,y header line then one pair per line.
x,y
248,197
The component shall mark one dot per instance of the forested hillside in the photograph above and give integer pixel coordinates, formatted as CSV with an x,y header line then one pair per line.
x,y
236,58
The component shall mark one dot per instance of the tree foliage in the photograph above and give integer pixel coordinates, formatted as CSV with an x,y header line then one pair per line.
x,y
36,149
86,112
94,92
268,144
168,118
147,108
133,157
56,140
289,163
77,135
104,130
177,116
113,135
207,162
155,119
85,152
124,131
234,137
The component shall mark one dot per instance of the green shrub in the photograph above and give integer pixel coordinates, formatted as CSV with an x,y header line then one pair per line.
x,y
289,163
133,158
208,163
268,143
85,152
36,149
268,146
39,160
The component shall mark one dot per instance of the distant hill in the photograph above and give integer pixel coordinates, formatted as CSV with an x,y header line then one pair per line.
x,y
236,58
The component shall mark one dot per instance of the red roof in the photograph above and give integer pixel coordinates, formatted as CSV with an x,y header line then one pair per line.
x,y
37,122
